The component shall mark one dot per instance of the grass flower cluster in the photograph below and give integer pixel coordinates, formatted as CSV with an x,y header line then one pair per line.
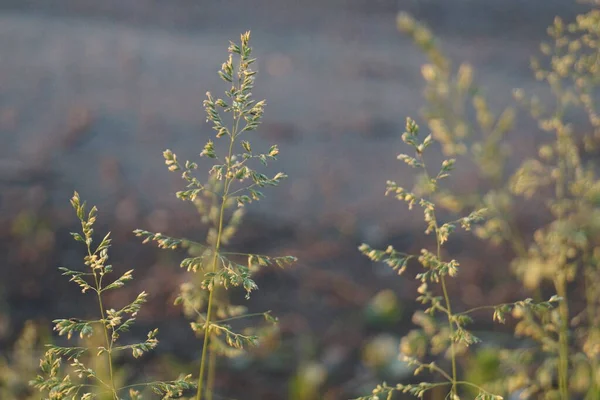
x,y
232,183
436,337
81,381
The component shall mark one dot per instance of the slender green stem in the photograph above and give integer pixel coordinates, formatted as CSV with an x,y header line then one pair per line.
x,y
560,282
98,283
243,189
210,302
563,364
144,384
473,386
207,323
229,253
212,367
212,363
591,298
108,350
242,317
480,308
452,344
445,290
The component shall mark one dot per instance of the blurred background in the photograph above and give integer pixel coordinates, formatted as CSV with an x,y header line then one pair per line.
x,y
92,92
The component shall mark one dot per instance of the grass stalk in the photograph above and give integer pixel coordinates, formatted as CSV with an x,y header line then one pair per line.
x,y
563,339
211,375
453,391
450,325
108,342
591,309
108,346
214,265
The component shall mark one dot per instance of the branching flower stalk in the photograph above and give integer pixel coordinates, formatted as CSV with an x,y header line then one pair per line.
x,y
435,338
112,324
231,183
450,98
564,249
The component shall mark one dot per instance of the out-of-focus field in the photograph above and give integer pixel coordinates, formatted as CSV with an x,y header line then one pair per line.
x,y
92,92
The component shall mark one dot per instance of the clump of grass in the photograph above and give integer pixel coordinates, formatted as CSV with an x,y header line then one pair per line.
x,y
232,183
80,381
562,253
450,335
21,363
